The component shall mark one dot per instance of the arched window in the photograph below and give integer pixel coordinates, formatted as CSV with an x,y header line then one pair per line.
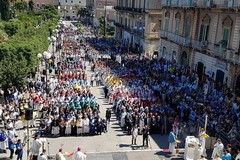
x,y
177,23
227,26
203,34
188,27
167,18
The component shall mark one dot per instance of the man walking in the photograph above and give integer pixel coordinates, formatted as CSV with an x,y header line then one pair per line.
x,y
145,133
108,115
36,147
134,135
78,155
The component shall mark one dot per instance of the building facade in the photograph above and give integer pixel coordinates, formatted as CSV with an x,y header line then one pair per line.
x,y
138,24
41,3
104,8
68,8
204,35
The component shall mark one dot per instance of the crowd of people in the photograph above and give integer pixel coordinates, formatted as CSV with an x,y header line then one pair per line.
x,y
165,96
153,94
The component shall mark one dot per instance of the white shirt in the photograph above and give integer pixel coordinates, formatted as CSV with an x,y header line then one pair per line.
x,y
42,157
79,156
37,147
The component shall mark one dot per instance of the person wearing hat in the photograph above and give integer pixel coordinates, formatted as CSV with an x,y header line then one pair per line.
x,y
59,155
78,155
42,156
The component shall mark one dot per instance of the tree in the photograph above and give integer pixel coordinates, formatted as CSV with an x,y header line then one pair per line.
x,y
21,6
13,71
82,12
5,9
31,5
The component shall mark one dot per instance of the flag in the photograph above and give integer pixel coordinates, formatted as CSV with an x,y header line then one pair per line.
x,y
70,155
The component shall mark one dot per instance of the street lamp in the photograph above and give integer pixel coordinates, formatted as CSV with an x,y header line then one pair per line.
x,y
52,40
45,56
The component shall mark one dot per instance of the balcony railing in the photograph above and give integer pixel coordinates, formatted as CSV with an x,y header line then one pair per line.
x,y
214,49
233,57
177,3
130,9
222,4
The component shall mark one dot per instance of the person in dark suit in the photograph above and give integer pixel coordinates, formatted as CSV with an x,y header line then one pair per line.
x,y
145,132
108,115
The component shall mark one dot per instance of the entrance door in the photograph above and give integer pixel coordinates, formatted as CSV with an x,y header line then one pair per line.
x,y
219,77
200,70
237,87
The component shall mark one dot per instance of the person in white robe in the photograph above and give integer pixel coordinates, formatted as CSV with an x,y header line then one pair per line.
x,y
68,127
172,142
79,125
123,118
218,149
86,124
202,141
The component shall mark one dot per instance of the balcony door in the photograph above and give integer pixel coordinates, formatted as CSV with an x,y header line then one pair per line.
x,y
184,58
188,27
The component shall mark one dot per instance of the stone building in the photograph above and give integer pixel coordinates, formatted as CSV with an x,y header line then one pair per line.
x,y
68,9
205,35
138,24
41,3
102,8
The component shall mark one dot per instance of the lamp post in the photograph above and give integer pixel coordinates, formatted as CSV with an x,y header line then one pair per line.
x,y
52,40
45,56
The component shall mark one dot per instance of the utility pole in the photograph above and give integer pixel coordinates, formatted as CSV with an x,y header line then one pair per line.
x,y
105,19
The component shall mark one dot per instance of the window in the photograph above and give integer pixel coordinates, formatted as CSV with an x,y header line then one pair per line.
x,y
188,27
166,24
79,1
71,1
99,4
66,1
227,26
204,28
177,23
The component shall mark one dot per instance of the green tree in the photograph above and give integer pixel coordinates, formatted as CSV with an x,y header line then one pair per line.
x,y
82,12
5,9
31,5
13,71
21,6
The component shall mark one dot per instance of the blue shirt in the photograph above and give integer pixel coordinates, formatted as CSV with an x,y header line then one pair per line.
x,y
19,148
10,144
227,157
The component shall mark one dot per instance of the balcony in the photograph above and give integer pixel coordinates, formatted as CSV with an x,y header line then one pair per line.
x,y
221,4
224,3
178,3
118,25
213,49
233,57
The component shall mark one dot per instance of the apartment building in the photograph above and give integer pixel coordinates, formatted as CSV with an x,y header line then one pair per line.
x,y
204,35
41,3
138,24
68,9
104,8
